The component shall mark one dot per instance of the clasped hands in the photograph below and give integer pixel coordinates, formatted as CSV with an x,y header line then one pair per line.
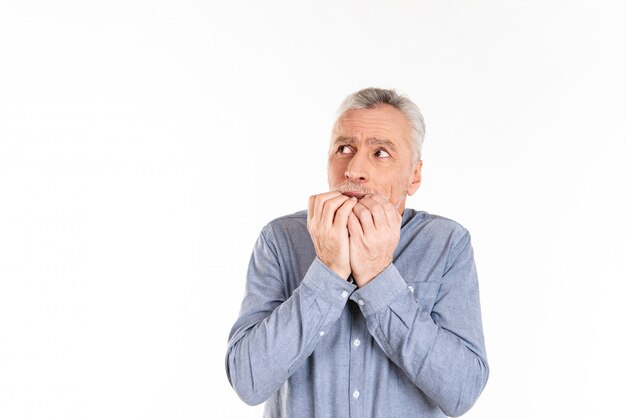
x,y
353,236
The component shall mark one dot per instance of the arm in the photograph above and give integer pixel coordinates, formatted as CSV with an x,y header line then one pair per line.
x,y
442,353
275,333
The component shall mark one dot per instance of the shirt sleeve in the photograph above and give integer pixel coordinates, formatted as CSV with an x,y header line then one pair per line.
x,y
442,351
276,332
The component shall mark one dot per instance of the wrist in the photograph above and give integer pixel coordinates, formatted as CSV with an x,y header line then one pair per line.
x,y
340,271
343,273
365,277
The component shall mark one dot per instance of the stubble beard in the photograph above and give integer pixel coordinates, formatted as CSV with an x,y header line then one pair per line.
x,y
350,187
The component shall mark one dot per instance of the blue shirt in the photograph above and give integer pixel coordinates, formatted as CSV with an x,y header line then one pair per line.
x,y
408,344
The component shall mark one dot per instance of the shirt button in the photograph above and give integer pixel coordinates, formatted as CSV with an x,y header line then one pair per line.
x,y
321,333
357,342
355,394
360,302
411,289
344,294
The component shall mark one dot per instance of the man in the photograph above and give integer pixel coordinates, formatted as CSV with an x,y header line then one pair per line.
x,y
359,307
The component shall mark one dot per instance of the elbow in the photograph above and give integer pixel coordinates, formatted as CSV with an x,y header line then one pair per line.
x,y
474,385
458,410
250,397
244,384
248,392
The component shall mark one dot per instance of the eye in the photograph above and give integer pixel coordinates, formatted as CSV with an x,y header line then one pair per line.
x,y
381,153
344,149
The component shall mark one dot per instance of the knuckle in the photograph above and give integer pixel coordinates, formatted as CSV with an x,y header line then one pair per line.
x,y
337,200
343,209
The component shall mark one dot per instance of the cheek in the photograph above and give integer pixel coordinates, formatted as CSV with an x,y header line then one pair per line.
x,y
335,171
397,189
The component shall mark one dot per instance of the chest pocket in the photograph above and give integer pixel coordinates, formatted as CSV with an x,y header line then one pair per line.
x,y
425,293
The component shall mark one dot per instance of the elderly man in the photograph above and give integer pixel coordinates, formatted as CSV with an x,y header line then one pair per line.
x,y
360,307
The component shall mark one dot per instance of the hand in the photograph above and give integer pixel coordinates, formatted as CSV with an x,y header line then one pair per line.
x,y
327,222
374,227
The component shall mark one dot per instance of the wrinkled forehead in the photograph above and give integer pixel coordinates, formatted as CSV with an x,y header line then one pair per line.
x,y
384,122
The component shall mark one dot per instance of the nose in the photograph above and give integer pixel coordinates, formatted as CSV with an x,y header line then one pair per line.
x,y
357,170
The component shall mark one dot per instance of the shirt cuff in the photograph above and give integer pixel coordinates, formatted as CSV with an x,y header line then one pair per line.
x,y
327,283
380,292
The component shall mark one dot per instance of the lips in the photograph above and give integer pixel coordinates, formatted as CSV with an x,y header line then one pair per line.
x,y
354,194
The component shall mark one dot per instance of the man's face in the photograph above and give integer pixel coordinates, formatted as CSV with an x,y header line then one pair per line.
x,y
370,152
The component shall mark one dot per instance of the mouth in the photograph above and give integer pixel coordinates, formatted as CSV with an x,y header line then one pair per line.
x,y
354,194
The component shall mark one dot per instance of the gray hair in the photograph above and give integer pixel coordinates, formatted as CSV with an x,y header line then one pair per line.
x,y
371,97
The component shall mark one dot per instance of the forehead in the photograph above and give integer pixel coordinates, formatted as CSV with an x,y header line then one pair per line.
x,y
383,121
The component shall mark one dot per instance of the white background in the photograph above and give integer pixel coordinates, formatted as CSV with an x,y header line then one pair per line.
x,y
144,144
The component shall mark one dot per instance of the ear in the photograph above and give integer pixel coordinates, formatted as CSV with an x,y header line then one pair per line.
x,y
416,179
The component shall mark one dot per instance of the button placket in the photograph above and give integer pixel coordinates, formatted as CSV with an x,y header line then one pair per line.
x,y
357,330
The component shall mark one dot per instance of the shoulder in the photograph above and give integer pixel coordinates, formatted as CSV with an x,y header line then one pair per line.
x,y
434,226
293,224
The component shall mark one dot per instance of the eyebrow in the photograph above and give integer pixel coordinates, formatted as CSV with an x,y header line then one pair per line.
x,y
372,140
